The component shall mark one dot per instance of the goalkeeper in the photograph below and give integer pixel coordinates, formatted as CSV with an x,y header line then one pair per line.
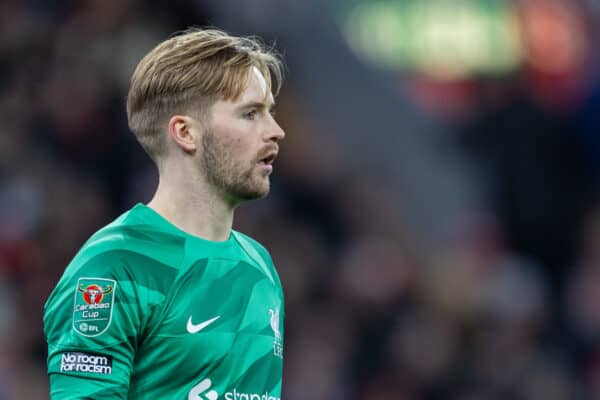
x,y
167,301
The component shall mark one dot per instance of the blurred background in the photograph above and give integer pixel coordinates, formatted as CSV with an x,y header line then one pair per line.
x,y
435,212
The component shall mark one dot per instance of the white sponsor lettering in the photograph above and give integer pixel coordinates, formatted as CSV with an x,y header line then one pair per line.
x,y
198,391
235,395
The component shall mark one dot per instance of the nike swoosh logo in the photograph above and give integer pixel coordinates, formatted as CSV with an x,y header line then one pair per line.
x,y
191,328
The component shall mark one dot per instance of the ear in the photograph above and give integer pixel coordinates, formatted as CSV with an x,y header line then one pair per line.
x,y
182,134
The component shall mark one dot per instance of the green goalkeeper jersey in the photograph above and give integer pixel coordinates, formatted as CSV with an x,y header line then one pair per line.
x,y
147,311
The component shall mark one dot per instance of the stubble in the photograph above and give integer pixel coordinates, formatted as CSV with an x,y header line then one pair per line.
x,y
233,178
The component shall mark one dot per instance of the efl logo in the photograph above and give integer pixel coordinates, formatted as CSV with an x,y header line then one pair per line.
x,y
86,362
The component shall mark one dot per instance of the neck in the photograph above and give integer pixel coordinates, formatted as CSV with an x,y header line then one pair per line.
x,y
192,206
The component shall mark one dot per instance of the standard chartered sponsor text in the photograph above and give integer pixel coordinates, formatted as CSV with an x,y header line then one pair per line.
x,y
235,395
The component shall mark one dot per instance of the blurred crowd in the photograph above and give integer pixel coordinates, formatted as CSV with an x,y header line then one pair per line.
x,y
506,307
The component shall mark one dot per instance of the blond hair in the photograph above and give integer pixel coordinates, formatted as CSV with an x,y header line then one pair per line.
x,y
187,73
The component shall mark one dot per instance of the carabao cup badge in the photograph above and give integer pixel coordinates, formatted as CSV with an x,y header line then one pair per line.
x,y
94,300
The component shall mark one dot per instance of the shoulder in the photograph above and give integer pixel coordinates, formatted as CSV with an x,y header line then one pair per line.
x,y
130,242
131,233
116,260
250,244
259,255
132,260
136,274
128,250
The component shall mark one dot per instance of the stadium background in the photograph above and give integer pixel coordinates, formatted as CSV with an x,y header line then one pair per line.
x,y
434,213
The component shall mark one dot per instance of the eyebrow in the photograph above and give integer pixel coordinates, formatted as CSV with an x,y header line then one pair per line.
x,y
256,104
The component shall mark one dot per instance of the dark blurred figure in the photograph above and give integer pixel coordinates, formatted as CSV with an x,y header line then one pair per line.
x,y
533,162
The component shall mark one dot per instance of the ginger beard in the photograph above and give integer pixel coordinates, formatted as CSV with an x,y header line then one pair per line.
x,y
232,177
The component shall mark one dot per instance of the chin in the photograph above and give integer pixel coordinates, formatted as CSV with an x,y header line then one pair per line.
x,y
253,193
251,188
259,194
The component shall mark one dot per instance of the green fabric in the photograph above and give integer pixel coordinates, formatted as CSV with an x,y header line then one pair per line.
x,y
179,317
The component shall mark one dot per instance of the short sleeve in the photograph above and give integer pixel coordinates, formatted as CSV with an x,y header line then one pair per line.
x,y
93,322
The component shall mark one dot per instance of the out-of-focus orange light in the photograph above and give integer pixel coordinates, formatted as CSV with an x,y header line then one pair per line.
x,y
554,35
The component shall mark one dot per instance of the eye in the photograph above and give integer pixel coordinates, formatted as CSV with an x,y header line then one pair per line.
x,y
273,112
250,114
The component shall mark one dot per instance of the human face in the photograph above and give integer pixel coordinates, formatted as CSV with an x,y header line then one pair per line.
x,y
241,143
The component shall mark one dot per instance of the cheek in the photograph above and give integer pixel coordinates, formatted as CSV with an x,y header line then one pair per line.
x,y
235,142
239,148
235,154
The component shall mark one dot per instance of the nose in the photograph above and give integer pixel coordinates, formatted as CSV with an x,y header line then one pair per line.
x,y
274,131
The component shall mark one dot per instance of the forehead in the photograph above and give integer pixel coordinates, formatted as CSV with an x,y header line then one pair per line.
x,y
257,89
255,92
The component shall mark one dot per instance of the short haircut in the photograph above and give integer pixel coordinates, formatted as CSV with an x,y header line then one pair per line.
x,y
187,73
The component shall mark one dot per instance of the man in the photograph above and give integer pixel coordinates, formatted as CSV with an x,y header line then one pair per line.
x,y
167,301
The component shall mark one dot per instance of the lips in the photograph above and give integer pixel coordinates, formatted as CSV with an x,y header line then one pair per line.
x,y
268,157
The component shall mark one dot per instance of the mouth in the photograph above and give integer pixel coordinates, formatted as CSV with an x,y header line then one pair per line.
x,y
268,159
